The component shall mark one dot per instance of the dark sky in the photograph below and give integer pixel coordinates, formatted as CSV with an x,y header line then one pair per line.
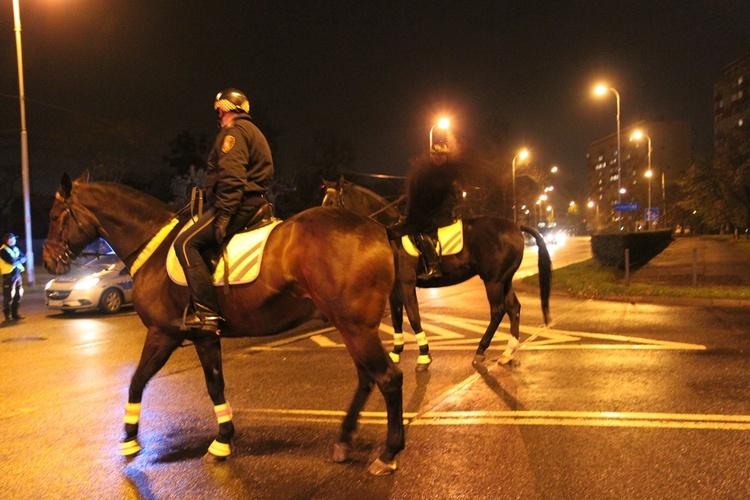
x,y
376,72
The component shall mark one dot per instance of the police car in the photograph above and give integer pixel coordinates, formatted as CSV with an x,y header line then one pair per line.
x,y
103,283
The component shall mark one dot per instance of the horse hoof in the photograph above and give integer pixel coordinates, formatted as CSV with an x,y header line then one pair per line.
x,y
341,452
217,452
396,358
504,359
478,364
129,449
210,458
380,468
423,362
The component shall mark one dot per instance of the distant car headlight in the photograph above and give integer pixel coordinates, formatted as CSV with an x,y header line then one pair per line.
x,y
86,283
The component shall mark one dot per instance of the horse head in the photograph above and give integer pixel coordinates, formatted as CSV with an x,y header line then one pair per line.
x,y
72,227
333,194
362,201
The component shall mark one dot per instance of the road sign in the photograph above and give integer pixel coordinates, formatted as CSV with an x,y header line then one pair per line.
x,y
627,207
652,214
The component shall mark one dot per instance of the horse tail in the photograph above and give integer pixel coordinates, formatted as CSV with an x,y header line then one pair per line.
x,y
545,270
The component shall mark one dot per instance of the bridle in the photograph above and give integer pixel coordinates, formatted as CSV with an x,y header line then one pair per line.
x,y
338,196
60,249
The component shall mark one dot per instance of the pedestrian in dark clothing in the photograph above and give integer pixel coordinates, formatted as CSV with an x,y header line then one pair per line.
x,y
12,262
239,168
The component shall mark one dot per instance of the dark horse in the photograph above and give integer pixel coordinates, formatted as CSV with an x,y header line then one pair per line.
x,y
325,257
493,249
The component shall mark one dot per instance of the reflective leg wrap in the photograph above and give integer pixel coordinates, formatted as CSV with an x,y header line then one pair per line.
x,y
132,413
424,357
223,413
218,449
398,347
132,416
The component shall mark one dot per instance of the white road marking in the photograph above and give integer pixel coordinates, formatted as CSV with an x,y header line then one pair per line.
x,y
559,418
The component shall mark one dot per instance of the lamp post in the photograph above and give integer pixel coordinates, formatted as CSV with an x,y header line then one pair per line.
x,y
601,90
24,149
523,154
443,124
638,135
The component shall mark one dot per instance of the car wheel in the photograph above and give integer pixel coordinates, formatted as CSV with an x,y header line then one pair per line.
x,y
111,301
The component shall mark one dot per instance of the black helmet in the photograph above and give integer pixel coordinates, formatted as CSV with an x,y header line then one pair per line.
x,y
232,100
8,236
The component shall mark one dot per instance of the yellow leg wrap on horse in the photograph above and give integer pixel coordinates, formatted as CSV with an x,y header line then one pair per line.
x,y
218,449
395,357
424,359
421,339
398,339
132,413
223,413
128,448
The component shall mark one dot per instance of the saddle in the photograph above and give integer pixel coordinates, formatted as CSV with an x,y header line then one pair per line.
x,y
450,240
237,261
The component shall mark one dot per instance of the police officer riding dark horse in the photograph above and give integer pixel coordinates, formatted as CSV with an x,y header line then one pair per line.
x,y
239,168
433,195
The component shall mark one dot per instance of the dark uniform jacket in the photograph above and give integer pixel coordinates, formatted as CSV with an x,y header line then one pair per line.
x,y
240,163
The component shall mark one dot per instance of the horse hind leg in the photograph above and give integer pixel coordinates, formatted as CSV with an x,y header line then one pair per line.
x,y
498,309
374,367
156,351
514,314
411,305
397,319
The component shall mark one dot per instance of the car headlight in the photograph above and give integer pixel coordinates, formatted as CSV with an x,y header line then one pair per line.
x,y
86,283
49,284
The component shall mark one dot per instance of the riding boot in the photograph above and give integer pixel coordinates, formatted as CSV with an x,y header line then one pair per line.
x,y
15,314
202,315
430,257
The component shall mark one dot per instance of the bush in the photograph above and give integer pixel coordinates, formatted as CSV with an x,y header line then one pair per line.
x,y
609,249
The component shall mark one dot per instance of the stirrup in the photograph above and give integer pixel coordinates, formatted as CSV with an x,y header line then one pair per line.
x,y
194,321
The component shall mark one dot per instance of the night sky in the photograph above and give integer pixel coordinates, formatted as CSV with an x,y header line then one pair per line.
x,y
378,73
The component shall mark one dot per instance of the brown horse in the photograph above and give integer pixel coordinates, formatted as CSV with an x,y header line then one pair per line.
x,y
493,249
327,258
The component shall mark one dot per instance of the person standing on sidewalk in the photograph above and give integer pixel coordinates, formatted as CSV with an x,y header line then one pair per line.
x,y
11,266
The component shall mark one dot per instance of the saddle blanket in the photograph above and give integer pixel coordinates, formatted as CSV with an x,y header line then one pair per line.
x,y
243,254
451,240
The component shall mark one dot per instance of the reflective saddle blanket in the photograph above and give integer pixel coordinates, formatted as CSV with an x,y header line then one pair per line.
x,y
243,257
451,240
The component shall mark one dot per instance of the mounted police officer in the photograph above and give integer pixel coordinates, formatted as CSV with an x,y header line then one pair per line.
x,y
12,260
239,168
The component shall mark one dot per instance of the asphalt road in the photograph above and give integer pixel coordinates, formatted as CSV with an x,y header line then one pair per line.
x,y
614,400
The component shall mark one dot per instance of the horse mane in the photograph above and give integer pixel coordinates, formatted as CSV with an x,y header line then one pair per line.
x,y
118,193
389,214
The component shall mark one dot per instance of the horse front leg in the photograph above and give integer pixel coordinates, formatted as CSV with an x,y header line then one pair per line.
x,y
411,304
497,300
209,353
157,349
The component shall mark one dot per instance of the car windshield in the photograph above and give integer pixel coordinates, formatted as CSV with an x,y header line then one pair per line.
x,y
102,263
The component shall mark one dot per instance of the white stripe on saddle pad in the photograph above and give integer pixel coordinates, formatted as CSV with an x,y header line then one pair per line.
x,y
244,253
451,240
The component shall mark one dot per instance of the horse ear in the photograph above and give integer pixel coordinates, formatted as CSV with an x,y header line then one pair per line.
x,y
341,180
85,177
66,185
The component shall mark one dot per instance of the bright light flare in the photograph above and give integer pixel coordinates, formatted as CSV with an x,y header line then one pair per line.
x,y
443,123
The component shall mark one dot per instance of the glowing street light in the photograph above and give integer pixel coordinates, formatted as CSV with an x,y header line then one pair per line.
x,y
523,154
24,149
638,135
442,146
601,90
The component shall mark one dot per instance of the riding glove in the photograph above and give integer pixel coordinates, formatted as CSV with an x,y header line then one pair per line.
x,y
220,226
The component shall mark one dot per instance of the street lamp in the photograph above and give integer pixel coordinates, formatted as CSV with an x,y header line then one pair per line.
x,y
24,149
601,90
523,154
441,147
638,135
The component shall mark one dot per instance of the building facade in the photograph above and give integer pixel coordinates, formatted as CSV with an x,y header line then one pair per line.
x,y
731,100
671,154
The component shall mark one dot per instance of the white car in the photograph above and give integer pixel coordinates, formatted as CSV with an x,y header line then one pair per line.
x,y
103,283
